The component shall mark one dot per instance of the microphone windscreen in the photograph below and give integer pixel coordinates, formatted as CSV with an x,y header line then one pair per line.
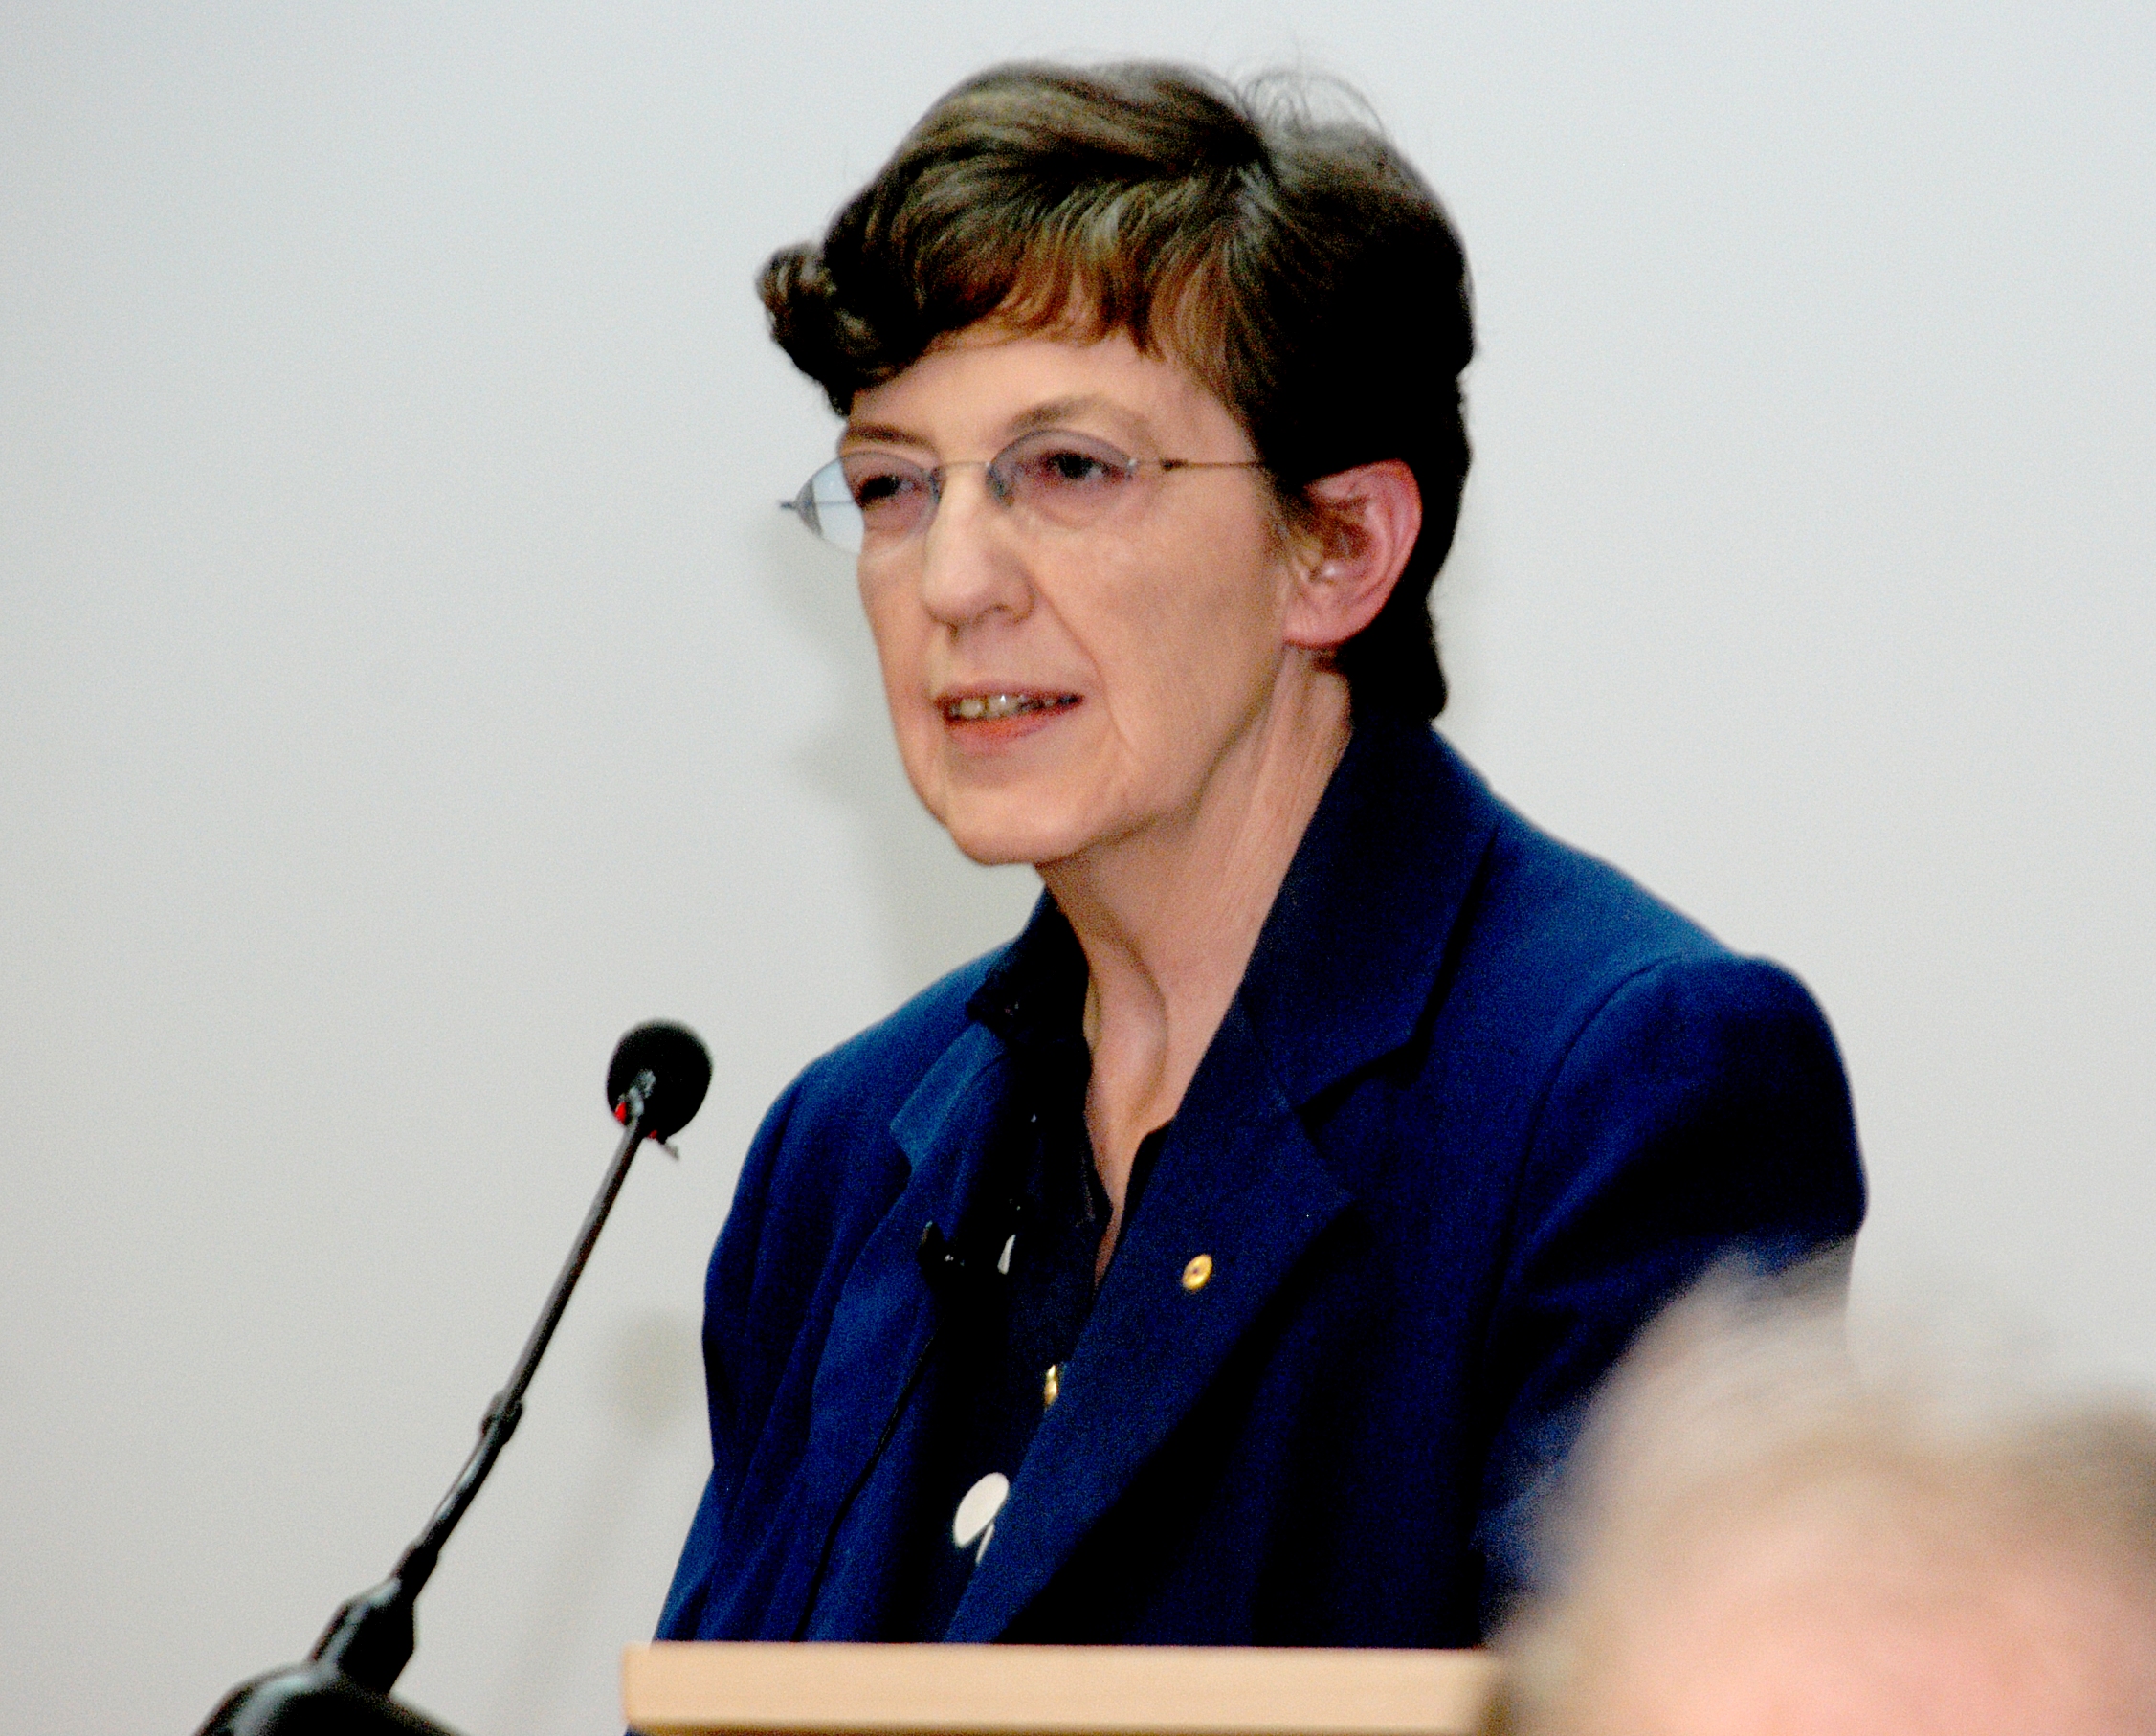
x,y
676,1060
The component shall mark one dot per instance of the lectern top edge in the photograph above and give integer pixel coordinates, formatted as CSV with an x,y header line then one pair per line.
x,y
720,1689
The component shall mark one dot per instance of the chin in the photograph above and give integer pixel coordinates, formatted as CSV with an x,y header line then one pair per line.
x,y
996,846
1008,830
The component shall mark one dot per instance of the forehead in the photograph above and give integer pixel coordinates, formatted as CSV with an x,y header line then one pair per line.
x,y
977,388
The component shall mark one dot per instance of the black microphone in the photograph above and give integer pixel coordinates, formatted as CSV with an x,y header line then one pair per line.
x,y
655,1085
667,1069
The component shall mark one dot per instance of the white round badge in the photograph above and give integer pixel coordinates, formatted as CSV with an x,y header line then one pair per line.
x,y
977,1510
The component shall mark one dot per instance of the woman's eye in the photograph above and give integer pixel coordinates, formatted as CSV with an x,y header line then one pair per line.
x,y
1076,467
883,489
1070,469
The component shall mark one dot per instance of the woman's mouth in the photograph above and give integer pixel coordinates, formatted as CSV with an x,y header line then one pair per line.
x,y
995,707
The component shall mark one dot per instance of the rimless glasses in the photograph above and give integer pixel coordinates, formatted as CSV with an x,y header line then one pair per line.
x,y
868,498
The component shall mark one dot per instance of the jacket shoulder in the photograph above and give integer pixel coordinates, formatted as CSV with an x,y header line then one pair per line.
x,y
825,1163
1563,907
1591,1019
868,1077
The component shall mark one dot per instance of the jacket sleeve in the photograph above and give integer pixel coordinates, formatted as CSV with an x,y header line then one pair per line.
x,y
1700,1114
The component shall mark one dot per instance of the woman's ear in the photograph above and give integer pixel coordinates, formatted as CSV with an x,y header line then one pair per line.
x,y
1367,522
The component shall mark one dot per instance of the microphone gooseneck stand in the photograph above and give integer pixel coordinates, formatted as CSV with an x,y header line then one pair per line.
x,y
656,1083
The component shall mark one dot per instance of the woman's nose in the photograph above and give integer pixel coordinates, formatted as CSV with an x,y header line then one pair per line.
x,y
971,556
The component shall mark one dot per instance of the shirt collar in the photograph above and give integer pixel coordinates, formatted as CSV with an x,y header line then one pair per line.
x,y
1035,995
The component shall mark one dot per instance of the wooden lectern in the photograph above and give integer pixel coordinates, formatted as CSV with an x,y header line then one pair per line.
x,y
674,1690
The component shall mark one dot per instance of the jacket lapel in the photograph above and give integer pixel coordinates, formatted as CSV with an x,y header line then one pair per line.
x,y
880,1331
1237,1182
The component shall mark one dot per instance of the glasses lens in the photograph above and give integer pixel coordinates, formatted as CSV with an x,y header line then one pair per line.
x,y
1067,478
826,506
893,496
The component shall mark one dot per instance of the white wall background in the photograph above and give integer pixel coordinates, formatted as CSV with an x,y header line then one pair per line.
x,y
406,684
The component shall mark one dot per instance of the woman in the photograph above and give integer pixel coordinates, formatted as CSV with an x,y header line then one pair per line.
x,y
1223,1260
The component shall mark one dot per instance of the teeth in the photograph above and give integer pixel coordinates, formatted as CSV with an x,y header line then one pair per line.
x,y
987,708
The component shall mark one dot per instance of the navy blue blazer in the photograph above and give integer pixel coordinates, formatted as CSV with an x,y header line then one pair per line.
x,y
1480,1106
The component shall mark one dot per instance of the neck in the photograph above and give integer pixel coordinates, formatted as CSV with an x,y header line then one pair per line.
x,y
1167,920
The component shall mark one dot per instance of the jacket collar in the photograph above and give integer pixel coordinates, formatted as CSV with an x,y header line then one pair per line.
x,y
1341,975
1343,967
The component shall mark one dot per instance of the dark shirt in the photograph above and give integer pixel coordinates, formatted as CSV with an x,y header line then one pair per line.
x,y
1014,1283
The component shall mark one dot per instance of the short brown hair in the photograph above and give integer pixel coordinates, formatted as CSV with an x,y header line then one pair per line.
x,y
1298,265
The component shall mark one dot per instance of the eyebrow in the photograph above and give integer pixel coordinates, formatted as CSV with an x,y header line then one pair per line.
x,y
1053,414
886,432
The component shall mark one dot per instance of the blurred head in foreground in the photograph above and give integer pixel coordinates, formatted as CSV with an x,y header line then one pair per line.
x,y
1755,1539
